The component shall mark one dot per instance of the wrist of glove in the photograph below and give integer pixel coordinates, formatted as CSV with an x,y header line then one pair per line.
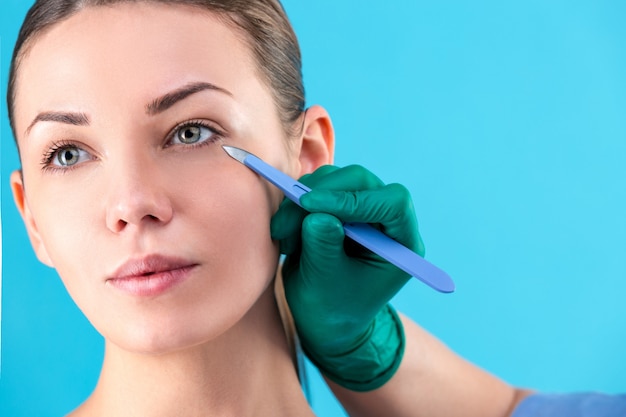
x,y
369,361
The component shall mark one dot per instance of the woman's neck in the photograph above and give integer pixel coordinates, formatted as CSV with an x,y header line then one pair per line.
x,y
247,371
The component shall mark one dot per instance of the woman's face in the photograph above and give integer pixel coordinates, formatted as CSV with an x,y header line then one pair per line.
x,y
159,236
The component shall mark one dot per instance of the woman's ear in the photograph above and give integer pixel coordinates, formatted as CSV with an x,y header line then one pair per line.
x,y
317,144
17,186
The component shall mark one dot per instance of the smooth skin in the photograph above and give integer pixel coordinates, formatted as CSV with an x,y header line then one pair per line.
x,y
106,179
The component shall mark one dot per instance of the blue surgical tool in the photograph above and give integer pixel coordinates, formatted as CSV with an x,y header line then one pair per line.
x,y
368,236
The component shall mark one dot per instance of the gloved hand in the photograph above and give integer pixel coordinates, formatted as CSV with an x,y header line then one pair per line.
x,y
338,291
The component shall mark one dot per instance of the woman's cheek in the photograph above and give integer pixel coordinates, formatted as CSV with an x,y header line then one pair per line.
x,y
61,233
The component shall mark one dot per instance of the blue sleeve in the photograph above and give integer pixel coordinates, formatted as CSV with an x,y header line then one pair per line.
x,y
572,405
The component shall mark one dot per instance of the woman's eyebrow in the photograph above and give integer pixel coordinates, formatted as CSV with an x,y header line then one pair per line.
x,y
156,106
71,118
167,100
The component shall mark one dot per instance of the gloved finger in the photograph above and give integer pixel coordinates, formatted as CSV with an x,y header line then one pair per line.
x,y
352,177
285,226
322,248
390,206
323,256
286,223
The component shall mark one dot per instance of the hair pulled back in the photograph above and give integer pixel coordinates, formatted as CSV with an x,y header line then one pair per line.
x,y
263,22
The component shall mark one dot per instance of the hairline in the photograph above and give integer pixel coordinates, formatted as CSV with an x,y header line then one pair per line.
x,y
228,18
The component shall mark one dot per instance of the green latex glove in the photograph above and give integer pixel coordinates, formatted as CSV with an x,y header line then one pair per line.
x,y
338,291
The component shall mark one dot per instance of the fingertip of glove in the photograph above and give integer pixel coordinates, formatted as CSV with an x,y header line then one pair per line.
x,y
323,227
305,200
323,222
315,200
286,220
276,229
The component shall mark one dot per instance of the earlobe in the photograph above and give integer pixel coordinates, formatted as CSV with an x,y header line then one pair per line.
x,y
17,186
318,140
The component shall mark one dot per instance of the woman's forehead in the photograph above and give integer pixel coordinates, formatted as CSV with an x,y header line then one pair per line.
x,y
120,50
130,35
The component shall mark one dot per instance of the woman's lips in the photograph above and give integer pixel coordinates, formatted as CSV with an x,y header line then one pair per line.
x,y
151,275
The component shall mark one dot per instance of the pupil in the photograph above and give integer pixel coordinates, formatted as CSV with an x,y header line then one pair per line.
x,y
190,134
69,156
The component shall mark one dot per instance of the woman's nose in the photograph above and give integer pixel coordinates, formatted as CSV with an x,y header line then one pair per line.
x,y
137,198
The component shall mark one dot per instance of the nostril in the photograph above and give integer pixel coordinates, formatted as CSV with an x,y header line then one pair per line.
x,y
134,207
121,224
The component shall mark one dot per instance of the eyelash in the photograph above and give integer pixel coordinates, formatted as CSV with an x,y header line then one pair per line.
x,y
50,154
55,147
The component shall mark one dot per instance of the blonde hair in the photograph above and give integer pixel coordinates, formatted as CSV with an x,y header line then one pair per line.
x,y
289,327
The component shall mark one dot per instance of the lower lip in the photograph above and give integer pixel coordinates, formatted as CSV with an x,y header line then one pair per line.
x,y
151,285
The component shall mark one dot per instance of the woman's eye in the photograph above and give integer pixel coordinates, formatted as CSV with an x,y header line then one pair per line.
x,y
70,155
192,133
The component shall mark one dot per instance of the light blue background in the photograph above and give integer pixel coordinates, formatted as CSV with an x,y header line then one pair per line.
x,y
506,120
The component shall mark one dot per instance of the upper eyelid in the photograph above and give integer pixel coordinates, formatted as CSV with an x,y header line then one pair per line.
x,y
56,146
207,123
